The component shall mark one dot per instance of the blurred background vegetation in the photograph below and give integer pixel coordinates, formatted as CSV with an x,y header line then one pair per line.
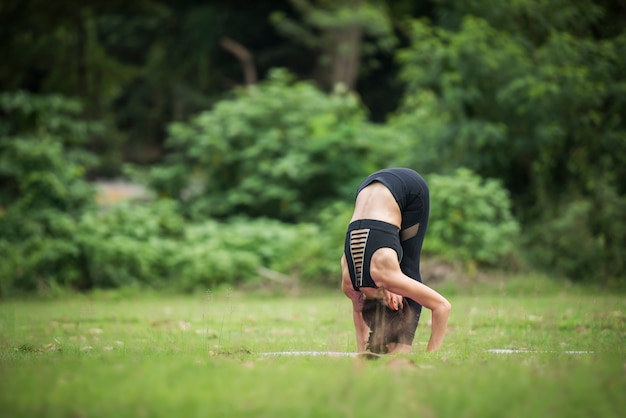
x,y
247,126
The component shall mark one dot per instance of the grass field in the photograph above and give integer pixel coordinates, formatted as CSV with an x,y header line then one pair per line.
x,y
108,355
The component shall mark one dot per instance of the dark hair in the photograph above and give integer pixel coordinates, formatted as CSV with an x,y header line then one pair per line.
x,y
389,326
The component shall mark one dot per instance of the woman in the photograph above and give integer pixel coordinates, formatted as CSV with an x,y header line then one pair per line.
x,y
382,250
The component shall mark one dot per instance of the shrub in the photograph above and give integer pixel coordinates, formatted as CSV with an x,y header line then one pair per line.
x,y
151,245
583,239
470,219
282,150
129,244
43,190
315,258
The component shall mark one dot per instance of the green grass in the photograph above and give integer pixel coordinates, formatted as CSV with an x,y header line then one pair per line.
x,y
106,355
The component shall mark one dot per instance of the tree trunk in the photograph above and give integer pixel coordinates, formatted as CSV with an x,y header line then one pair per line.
x,y
244,56
345,54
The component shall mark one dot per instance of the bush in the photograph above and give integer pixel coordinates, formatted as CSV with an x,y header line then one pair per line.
x,y
584,238
470,219
232,252
151,245
43,190
317,258
308,252
129,244
282,150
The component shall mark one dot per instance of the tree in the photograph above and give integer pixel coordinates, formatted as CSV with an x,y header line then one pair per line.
x,y
338,30
538,107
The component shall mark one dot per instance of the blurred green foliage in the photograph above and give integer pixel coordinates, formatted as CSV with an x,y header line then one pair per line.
x,y
53,235
513,111
539,107
43,191
282,149
471,220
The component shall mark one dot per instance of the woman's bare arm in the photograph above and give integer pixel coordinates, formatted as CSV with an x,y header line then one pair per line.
x,y
361,328
387,273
